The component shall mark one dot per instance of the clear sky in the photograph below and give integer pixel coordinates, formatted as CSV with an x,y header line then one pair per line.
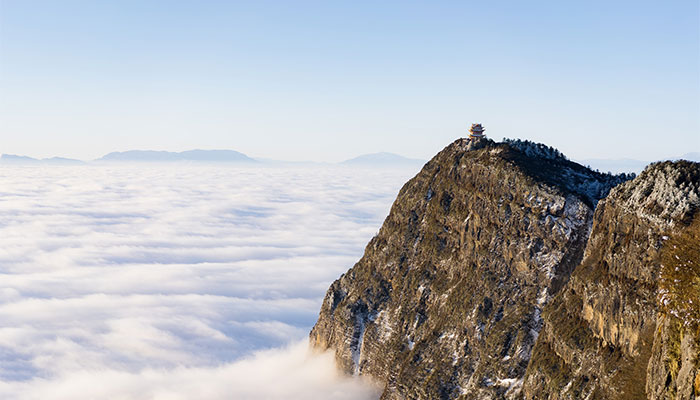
x,y
328,80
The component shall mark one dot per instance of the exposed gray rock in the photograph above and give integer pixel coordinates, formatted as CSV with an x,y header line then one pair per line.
x,y
604,335
493,278
447,300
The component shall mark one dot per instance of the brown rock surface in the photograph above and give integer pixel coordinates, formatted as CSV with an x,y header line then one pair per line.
x,y
605,335
446,301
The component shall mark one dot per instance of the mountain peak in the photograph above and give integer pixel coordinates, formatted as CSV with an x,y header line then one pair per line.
x,y
544,164
485,280
665,190
473,247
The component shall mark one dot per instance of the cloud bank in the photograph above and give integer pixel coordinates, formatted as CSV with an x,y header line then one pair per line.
x,y
292,373
176,281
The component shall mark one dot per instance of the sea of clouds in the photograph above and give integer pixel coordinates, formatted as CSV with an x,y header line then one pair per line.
x,y
178,281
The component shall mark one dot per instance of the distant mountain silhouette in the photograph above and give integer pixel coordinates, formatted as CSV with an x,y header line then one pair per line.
x,y
15,159
169,156
615,165
24,160
691,156
382,159
630,165
62,161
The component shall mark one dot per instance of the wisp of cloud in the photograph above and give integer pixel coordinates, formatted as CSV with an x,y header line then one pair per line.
x,y
170,282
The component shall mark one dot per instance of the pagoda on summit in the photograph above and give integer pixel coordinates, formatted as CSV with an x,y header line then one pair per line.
x,y
476,132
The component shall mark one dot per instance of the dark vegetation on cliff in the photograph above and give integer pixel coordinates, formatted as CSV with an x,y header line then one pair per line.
x,y
486,281
548,165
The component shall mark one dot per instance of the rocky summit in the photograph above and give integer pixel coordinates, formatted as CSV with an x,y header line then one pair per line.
x,y
504,270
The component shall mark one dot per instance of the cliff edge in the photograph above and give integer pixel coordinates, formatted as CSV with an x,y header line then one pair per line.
x,y
447,300
626,324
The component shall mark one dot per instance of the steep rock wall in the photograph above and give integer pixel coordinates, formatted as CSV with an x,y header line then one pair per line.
x,y
604,334
446,302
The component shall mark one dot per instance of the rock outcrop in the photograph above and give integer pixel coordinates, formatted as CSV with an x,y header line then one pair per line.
x,y
625,326
499,274
447,300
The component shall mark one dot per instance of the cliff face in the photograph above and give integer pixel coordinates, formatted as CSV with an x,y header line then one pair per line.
x,y
624,326
674,367
447,300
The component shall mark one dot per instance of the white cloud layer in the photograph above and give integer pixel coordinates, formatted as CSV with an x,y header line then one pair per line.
x,y
292,373
167,282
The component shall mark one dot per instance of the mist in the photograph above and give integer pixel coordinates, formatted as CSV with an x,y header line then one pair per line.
x,y
177,281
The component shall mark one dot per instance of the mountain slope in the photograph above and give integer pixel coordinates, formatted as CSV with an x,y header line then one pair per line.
x,y
446,301
604,335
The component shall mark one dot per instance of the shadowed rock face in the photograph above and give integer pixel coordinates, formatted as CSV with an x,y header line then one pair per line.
x,y
447,300
604,334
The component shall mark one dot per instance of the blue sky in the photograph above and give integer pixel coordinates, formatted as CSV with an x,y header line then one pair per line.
x,y
328,80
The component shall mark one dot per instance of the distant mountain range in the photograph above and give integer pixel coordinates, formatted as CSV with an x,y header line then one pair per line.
x,y
382,159
628,165
691,156
24,160
614,166
229,156
168,156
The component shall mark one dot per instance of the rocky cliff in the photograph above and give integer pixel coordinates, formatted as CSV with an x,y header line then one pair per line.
x,y
626,324
447,300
